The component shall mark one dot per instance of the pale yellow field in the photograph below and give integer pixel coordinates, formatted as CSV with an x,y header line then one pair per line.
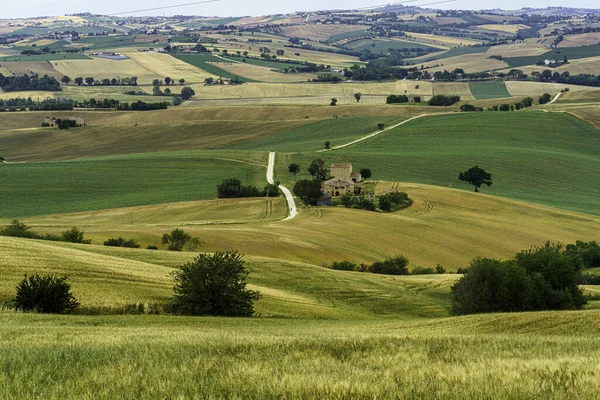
x,y
36,95
263,74
529,48
580,40
469,62
318,32
578,66
345,99
164,65
590,114
4,71
101,68
444,40
538,88
503,28
251,21
454,88
449,20
27,67
446,226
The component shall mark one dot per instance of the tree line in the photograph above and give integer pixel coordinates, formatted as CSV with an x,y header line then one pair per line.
x,y
29,82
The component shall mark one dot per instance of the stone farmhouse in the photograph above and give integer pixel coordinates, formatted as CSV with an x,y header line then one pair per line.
x,y
343,180
51,121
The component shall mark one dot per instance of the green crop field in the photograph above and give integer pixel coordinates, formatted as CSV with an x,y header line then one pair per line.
x,y
47,57
453,53
572,53
538,157
312,137
346,35
489,90
382,46
262,63
95,184
205,62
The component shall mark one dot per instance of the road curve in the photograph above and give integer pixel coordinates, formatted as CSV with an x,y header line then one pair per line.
x,y
292,210
555,97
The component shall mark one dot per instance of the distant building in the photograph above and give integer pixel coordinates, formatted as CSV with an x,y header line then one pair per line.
x,y
55,122
338,187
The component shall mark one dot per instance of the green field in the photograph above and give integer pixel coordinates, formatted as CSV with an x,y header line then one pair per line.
x,y
203,61
262,63
489,90
47,57
572,53
346,35
537,157
312,137
383,46
95,184
453,53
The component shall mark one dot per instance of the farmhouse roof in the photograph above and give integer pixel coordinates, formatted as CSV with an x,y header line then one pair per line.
x,y
341,165
338,182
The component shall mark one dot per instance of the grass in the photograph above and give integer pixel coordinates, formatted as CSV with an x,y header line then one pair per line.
x,y
452,53
206,62
346,35
95,184
572,53
537,157
489,90
47,57
382,46
312,137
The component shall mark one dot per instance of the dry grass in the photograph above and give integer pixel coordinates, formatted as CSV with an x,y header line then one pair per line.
x,y
469,63
529,48
318,32
101,68
589,65
263,74
38,67
517,88
454,88
443,40
503,28
444,226
164,65
583,39
589,114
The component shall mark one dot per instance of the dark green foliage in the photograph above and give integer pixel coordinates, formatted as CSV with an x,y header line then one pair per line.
x,y
394,201
327,145
380,126
359,202
317,169
440,269
18,229
271,190
343,266
391,266
74,235
27,82
120,242
543,278
469,108
294,169
309,190
545,98
333,102
476,177
392,99
589,279
504,107
527,101
442,100
151,247
187,93
365,173
177,101
233,188
45,294
213,285
589,252
422,271
176,239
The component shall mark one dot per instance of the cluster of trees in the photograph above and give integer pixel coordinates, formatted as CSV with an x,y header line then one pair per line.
x,y
178,238
542,278
527,102
443,100
358,202
33,105
394,201
19,229
393,99
566,78
121,242
328,77
29,82
91,81
390,266
232,188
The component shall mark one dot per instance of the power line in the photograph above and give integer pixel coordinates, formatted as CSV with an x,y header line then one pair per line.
x,y
165,7
400,4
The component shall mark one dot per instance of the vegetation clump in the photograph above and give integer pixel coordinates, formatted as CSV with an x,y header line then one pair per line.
x,y
476,176
543,278
233,188
120,242
176,239
443,100
45,294
213,285
390,266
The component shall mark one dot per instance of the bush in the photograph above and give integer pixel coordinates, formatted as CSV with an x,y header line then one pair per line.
x,y
18,229
343,266
74,235
545,98
442,100
589,252
440,269
213,285
528,102
176,239
233,188
45,294
309,190
504,107
394,201
391,266
151,247
422,271
120,242
359,202
543,278
393,99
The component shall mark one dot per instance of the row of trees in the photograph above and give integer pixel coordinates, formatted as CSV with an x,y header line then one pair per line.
x,y
29,82
91,81
233,188
19,229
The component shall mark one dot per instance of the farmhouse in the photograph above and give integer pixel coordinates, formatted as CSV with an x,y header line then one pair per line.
x,y
344,171
51,121
343,180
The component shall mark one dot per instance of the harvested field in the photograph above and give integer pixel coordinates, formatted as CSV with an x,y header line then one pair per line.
x,y
164,65
461,89
443,40
538,88
38,67
528,48
469,63
584,39
318,32
263,74
576,66
101,68
503,28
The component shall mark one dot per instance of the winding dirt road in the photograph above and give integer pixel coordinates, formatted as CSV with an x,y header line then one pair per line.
x,y
292,210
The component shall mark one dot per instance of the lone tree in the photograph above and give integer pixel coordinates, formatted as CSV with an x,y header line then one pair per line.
x,y
181,81
45,294
168,80
476,177
176,239
89,80
79,81
213,285
380,126
333,102
327,145
365,173
187,93
65,79
294,169
357,96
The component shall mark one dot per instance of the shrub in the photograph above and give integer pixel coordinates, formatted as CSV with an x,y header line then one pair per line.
x,y
359,202
440,269
120,242
393,99
176,239
528,102
545,98
394,201
443,100
45,294
343,266
422,271
309,190
380,126
18,229
232,188
543,278
504,107
391,266
151,247
74,235
213,285
589,252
